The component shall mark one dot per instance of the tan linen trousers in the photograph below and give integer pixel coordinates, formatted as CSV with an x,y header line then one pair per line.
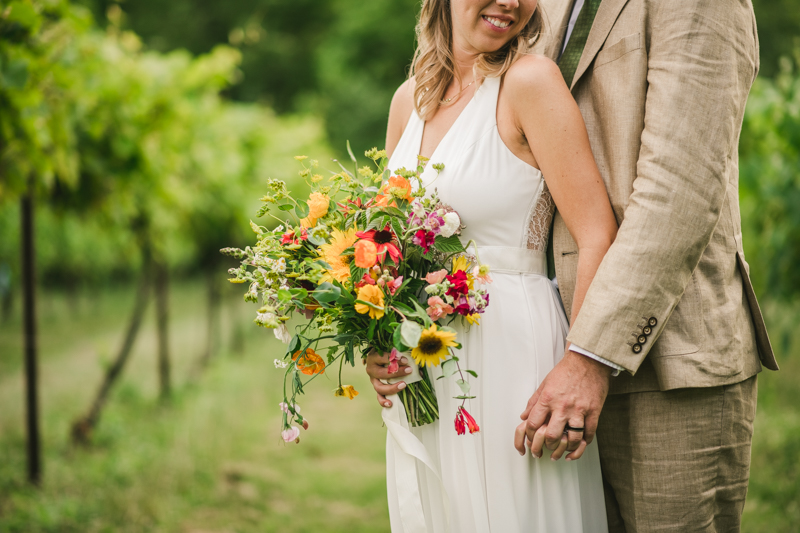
x,y
647,442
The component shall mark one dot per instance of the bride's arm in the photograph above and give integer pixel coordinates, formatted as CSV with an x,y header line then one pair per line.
x,y
399,112
548,120
549,124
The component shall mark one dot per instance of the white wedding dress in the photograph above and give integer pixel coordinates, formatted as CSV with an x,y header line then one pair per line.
x,y
439,481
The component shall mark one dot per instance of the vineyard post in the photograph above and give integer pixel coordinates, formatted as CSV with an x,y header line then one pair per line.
x,y
29,333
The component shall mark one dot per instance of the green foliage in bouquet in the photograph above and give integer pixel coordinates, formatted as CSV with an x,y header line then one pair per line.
x,y
373,262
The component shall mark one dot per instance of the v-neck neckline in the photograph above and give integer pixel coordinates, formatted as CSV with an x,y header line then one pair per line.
x,y
452,126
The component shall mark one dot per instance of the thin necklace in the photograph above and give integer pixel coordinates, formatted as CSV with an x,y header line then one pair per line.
x,y
448,100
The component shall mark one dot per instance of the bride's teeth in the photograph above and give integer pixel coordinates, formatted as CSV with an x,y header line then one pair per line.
x,y
497,23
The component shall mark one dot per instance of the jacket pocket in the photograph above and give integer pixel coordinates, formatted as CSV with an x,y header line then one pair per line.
x,y
617,50
684,331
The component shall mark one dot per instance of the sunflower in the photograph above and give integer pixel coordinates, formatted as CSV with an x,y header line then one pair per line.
x,y
332,254
374,295
433,346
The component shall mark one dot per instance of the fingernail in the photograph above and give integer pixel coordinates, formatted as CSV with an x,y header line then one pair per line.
x,y
553,459
407,370
403,361
568,459
387,404
401,386
521,453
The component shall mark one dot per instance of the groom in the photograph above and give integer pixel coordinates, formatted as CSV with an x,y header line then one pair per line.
x,y
662,87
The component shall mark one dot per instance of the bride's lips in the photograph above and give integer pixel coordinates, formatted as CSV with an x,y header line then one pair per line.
x,y
498,23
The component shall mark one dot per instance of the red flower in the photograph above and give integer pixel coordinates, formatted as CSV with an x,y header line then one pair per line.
x,y
461,428
459,281
463,308
424,239
385,242
471,424
291,238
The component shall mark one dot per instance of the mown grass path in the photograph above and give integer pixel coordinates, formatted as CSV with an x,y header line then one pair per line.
x,y
212,460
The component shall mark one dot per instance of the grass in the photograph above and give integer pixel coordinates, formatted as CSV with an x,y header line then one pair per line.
x,y
212,461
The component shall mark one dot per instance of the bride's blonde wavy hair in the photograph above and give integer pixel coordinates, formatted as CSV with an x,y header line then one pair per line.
x,y
433,65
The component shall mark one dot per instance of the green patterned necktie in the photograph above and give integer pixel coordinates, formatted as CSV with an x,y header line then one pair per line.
x,y
577,41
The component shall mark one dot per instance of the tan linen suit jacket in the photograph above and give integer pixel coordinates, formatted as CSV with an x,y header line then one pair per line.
x,y
662,86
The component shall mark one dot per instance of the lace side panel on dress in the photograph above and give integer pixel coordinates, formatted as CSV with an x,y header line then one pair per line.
x,y
541,217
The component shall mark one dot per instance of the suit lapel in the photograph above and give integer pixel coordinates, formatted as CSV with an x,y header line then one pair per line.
x,y
556,18
606,16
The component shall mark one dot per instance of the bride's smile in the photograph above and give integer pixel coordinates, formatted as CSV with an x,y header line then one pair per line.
x,y
480,26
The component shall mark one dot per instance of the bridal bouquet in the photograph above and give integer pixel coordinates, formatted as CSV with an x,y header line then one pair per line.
x,y
371,262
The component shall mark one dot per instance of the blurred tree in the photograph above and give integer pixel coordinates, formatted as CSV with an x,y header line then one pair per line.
x,y
342,59
778,31
36,144
770,181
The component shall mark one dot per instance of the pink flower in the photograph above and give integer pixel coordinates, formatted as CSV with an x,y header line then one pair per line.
x,y
285,408
481,273
437,308
394,364
424,239
395,284
436,277
464,306
291,434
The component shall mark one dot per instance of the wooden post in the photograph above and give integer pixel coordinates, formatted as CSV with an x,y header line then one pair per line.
x,y
29,332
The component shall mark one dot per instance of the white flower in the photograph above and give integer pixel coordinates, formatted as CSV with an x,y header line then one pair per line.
x,y
266,320
451,224
417,209
282,333
280,364
280,265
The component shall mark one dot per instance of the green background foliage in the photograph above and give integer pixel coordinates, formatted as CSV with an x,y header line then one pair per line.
x,y
154,125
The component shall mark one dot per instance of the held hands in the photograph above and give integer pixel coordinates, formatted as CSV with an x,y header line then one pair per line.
x,y
572,394
377,366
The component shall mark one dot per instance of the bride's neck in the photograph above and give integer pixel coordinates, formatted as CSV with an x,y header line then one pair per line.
x,y
463,63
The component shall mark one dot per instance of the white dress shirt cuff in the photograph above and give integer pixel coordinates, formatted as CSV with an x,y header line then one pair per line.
x,y
615,366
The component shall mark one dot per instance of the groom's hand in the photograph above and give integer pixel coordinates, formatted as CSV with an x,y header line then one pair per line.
x,y
572,393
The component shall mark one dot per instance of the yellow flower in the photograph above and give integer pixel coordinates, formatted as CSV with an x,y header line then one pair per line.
x,y
346,391
332,254
460,263
474,319
433,346
374,295
317,208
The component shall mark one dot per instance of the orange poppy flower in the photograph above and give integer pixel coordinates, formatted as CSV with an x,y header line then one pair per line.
x,y
366,253
396,187
309,363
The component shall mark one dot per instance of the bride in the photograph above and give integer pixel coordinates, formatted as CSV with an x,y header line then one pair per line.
x,y
514,147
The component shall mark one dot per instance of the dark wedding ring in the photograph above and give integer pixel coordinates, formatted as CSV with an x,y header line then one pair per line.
x,y
570,428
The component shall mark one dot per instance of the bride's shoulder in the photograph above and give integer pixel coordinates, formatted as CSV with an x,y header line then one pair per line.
x,y
399,112
403,101
533,71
